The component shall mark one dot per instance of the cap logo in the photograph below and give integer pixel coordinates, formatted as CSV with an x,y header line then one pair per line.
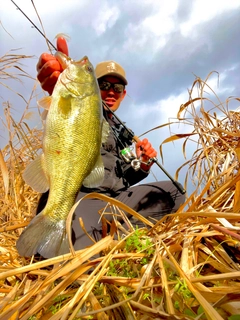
x,y
111,67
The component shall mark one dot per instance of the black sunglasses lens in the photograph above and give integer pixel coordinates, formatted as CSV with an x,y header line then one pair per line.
x,y
118,87
105,85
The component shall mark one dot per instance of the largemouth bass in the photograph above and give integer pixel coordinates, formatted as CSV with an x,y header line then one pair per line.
x,y
74,132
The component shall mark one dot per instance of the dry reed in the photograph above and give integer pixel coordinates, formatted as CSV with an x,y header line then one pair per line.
x,y
185,266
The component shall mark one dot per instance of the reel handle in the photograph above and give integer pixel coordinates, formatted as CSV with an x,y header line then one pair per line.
x,y
155,160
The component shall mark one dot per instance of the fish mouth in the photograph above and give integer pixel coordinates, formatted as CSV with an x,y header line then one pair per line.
x,y
82,61
64,60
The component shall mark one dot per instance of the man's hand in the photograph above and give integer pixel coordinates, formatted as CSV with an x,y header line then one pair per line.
x,y
49,68
145,150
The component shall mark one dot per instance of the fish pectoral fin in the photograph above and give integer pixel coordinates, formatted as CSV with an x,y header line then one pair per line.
x,y
45,102
105,130
44,114
96,177
35,176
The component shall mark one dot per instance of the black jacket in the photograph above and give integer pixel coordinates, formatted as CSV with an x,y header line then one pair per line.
x,y
119,175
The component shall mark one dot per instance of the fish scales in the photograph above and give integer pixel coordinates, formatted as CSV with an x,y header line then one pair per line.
x,y
70,145
71,156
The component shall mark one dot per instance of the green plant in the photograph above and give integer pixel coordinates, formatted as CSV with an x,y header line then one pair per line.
x,y
98,289
140,242
57,303
182,288
123,268
146,296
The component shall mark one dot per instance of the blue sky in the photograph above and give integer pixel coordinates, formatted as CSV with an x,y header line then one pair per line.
x,y
162,45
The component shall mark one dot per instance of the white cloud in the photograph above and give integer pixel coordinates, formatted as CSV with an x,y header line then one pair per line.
x,y
105,19
53,7
162,22
165,110
205,10
154,29
147,26
162,110
169,107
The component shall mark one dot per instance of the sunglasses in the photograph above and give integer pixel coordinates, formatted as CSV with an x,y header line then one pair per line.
x,y
105,86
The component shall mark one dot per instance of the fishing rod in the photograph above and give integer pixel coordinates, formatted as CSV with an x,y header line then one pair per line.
x,y
127,133
130,134
34,25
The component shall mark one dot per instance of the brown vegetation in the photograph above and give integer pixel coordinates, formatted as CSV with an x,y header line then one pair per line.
x,y
184,266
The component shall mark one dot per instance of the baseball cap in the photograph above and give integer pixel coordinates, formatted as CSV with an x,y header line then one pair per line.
x,y
110,68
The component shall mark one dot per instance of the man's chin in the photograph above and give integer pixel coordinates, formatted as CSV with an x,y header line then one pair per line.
x,y
110,106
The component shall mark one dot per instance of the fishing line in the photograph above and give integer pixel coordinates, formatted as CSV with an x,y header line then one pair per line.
x,y
129,132
34,25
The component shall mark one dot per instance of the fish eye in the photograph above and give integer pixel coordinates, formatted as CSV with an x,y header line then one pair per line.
x,y
89,69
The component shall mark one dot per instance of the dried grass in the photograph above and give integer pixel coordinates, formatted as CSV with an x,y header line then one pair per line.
x,y
184,266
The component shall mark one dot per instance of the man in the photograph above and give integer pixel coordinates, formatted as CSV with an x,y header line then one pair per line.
x,y
155,199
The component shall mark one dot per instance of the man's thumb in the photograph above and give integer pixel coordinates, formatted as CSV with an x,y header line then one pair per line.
x,y
62,45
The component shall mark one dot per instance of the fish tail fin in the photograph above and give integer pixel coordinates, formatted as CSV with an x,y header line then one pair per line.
x,y
44,236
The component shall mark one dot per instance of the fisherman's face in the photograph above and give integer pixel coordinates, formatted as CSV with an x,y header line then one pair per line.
x,y
110,97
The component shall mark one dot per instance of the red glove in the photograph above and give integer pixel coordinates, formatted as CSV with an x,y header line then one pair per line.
x,y
145,150
49,68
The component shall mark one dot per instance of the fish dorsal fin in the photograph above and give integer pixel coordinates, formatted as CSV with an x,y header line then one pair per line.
x,y
35,176
105,130
45,102
96,177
